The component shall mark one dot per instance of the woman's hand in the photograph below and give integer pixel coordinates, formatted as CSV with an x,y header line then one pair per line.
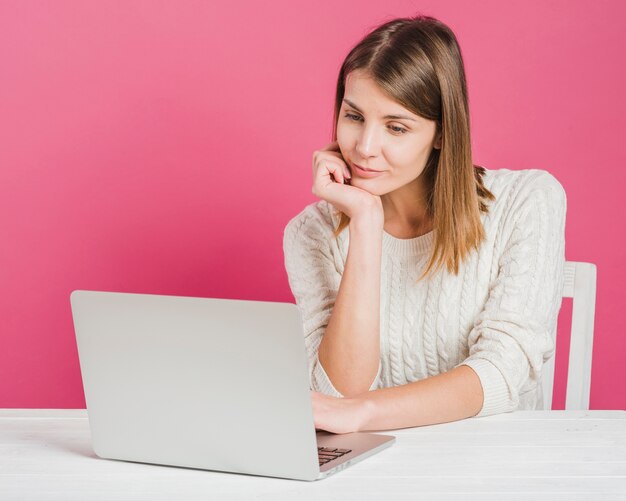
x,y
338,415
331,182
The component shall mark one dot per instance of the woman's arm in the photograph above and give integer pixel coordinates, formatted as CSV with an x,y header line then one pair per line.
x,y
451,396
509,343
350,349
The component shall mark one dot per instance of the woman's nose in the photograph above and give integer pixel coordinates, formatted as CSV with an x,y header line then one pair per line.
x,y
368,143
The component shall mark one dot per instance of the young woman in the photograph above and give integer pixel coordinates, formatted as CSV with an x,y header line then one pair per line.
x,y
429,286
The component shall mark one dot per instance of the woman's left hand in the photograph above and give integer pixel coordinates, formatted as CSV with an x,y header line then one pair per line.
x,y
338,415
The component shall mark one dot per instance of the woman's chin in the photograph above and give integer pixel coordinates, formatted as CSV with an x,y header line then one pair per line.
x,y
365,185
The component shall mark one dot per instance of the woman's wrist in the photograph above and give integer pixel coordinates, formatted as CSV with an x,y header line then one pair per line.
x,y
364,411
368,221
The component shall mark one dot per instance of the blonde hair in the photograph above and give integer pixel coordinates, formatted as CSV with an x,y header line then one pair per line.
x,y
417,62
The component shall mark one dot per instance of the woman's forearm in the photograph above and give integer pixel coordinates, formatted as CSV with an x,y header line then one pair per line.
x,y
450,396
350,348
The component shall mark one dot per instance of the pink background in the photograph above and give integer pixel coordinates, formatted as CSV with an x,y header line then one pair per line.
x,y
161,147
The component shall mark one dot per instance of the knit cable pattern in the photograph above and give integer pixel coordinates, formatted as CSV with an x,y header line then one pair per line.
x,y
496,316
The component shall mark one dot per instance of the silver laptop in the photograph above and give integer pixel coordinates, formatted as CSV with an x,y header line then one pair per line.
x,y
215,384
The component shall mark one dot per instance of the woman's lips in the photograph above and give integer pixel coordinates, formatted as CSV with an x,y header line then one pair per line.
x,y
361,172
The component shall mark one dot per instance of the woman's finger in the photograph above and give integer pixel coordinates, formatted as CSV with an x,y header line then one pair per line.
x,y
348,174
337,166
336,171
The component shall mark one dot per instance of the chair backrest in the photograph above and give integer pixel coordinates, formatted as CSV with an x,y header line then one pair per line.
x,y
580,284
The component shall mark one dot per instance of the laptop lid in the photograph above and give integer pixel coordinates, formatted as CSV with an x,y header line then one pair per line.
x,y
217,384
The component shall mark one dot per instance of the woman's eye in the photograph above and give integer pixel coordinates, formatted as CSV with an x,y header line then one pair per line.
x,y
356,118
401,130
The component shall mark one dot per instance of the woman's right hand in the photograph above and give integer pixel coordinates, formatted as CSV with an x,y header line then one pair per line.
x,y
331,182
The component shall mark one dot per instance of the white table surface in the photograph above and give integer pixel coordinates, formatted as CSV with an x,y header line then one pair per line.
x,y
46,454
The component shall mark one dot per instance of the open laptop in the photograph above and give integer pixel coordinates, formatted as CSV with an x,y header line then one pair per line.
x,y
215,384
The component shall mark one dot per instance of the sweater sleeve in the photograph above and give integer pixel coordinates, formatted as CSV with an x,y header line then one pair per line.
x,y
314,280
513,335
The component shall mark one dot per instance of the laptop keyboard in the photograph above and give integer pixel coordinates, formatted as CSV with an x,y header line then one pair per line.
x,y
326,454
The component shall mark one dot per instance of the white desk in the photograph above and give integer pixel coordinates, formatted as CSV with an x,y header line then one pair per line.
x,y
46,455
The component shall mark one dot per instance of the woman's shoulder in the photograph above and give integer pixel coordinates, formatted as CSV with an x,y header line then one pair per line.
x,y
520,179
319,218
512,187
523,197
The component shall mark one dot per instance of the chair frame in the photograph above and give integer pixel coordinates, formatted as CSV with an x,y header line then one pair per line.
x,y
580,284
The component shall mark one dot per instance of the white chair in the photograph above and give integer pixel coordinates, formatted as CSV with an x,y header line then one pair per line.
x,y
580,284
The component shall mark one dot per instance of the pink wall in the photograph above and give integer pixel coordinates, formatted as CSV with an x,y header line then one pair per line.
x,y
161,147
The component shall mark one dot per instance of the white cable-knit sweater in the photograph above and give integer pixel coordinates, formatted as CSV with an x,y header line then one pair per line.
x,y
498,315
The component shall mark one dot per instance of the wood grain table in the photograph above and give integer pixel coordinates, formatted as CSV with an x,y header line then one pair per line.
x,y
46,454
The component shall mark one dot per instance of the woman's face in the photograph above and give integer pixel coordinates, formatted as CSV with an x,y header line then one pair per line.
x,y
367,136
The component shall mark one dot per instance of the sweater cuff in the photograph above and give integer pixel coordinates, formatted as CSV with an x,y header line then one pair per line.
x,y
495,390
322,383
